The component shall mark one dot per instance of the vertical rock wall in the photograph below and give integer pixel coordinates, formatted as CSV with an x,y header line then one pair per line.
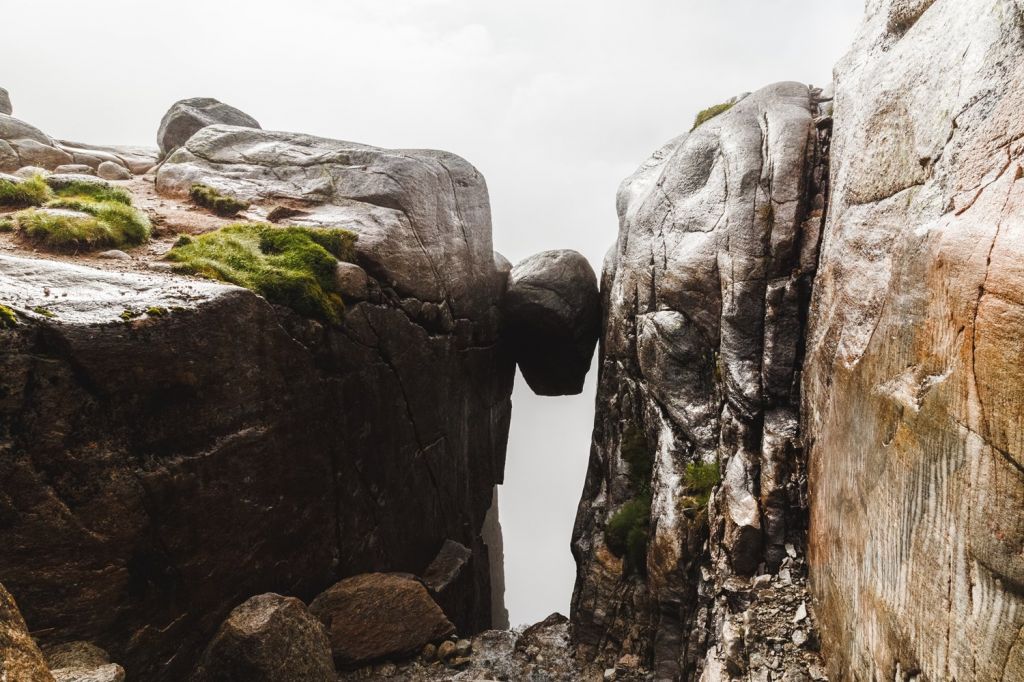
x,y
914,385
704,300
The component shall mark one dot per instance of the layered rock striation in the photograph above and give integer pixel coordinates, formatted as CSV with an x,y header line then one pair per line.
x,y
913,396
704,298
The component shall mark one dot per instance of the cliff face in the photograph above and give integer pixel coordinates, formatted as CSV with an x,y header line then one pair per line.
x,y
704,300
913,396
161,470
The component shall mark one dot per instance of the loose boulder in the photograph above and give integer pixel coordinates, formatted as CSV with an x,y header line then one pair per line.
x,y
109,170
269,638
5,103
188,116
379,615
82,662
552,317
20,658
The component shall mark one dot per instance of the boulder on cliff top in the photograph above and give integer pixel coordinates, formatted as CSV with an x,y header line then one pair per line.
x,y
188,116
379,615
269,638
552,316
20,658
5,103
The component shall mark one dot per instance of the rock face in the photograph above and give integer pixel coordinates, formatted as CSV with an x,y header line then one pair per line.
x,y
704,298
378,615
189,461
552,318
914,384
188,116
20,658
269,638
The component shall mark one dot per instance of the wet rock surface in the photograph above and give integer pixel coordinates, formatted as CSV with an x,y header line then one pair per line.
x,y
704,296
268,638
552,315
913,386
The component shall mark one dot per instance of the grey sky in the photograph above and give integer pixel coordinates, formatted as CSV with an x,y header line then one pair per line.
x,y
555,101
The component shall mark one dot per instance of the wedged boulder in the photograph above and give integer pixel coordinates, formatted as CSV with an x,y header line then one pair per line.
x,y
5,103
20,658
552,316
379,615
913,390
269,638
704,294
188,116
81,662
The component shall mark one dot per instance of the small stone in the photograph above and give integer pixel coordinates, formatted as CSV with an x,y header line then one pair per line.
x,y
610,675
446,650
785,576
762,581
74,168
429,653
29,171
108,170
387,669
629,662
463,647
459,661
114,254
799,637
801,613
791,550
352,280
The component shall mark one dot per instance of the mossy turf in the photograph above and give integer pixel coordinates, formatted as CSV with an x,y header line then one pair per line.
x,y
29,192
106,220
707,114
221,204
8,318
290,266
626,532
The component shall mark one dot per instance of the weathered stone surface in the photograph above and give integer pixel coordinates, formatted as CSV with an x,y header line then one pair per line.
x,y
703,298
268,638
188,116
913,393
82,662
379,615
111,170
229,447
5,103
20,658
552,319
74,168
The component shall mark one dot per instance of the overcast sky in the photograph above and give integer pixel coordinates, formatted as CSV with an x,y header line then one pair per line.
x,y
555,101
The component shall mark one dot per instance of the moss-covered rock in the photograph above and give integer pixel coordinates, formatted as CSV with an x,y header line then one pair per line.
x,y
706,115
8,318
29,192
290,266
221,204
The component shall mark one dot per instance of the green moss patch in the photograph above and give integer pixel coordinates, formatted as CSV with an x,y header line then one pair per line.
x,y
221,204
29,192
290,266
80,215
709,113
627,531
8,318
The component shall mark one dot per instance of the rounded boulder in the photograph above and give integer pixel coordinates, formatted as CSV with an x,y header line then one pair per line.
x,y
187,117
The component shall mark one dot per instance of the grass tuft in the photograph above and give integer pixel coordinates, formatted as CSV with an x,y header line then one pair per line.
x,y
290,266
29,192
221,204
8,318
709,113
95,191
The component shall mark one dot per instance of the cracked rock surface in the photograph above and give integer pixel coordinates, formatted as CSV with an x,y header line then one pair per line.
x,y
914,383
704,298
163,468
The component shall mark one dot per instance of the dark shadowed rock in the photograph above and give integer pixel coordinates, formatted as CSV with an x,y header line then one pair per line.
x,y
5,103
269,638
446,566
20,658
552,317
188,116
379,615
